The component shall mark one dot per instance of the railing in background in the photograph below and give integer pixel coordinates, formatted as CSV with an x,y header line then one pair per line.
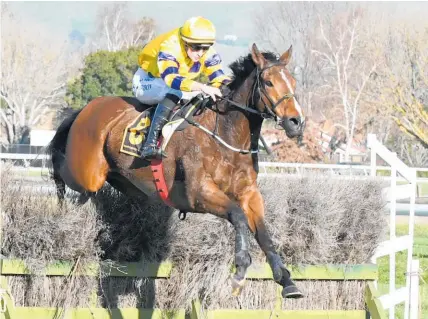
x,y
265,167
300,168
37,162
21,149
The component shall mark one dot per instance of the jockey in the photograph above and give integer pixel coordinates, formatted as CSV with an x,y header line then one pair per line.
x,y
168,65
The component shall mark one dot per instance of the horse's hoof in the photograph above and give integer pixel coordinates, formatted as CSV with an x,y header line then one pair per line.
x,y
291,292
237,286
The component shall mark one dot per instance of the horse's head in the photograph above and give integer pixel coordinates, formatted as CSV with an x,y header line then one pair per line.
x,y
276,86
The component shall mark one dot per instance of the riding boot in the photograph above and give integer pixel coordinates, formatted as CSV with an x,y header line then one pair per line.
x,y
163,110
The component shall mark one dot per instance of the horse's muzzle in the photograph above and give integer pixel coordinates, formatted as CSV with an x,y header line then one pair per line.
x,y
293,126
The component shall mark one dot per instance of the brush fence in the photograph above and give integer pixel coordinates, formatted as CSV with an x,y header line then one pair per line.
x,y
365,272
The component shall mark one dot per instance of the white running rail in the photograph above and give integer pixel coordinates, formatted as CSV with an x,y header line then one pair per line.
x,y
396,244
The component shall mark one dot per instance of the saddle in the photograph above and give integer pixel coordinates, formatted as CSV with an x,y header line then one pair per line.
x,y
135,133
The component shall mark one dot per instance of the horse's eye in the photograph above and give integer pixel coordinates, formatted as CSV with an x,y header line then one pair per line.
x,y
269,83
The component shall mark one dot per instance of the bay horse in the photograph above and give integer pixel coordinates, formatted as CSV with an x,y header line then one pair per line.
x,y
203,174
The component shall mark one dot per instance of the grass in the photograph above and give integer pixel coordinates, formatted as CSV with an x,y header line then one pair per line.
x,y
423,189
33,173
420,251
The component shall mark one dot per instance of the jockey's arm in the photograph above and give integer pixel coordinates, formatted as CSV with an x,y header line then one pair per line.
x,y
213,69
169,71
168,68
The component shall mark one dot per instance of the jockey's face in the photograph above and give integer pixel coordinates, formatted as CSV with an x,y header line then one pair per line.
x,y
196,51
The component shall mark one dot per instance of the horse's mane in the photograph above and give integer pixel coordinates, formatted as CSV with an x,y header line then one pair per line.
x,y
243,67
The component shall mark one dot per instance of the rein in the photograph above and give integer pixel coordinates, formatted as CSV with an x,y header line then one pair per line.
x,y
215,136
258,85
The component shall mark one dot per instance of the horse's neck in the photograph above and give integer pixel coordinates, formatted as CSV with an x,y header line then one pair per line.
x,y
241,129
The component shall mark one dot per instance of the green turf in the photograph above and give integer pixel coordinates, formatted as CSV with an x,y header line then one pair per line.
x,y
32,173
423,189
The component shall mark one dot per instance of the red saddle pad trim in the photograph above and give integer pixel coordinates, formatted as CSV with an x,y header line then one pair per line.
x,y
159,178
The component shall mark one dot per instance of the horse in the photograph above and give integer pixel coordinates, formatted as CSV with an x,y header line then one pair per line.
x,y
213,170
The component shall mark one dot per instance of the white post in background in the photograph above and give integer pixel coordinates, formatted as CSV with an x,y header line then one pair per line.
x,y
370,140
392,236
414,289
410,251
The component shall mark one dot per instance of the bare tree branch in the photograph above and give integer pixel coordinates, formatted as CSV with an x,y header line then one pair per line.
x,y
33,62
116,30
342,47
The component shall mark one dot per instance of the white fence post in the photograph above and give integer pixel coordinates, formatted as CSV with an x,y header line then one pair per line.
x,y
414,289
392,237
410,251
371,138
395,244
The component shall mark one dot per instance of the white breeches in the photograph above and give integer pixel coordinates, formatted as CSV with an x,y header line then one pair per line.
x,y
150,90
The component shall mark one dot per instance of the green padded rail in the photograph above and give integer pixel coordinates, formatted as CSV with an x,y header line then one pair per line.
x,y
163,270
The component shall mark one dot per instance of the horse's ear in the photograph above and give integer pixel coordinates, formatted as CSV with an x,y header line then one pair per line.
x,y
258,58
285,58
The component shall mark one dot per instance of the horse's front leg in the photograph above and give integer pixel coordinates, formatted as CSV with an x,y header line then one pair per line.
x,y
218,203
252,204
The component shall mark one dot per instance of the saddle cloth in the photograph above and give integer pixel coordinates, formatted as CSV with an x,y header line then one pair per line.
x,y
135,132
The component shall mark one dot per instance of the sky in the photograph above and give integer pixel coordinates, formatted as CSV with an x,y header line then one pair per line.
x,y
229,17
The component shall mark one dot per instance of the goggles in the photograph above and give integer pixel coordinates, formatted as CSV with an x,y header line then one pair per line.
x,y
199,46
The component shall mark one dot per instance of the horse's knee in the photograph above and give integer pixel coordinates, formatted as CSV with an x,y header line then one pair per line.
x,y
237,218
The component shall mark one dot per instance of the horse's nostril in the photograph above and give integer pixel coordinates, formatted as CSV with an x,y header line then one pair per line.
x,y
295,121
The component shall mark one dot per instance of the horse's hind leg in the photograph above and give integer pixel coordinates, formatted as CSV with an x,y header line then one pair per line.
x,y
60,188
218,203
252,203
84,197
57,160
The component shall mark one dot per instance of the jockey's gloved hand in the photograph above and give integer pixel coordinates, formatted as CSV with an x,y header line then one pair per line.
x,y
211,91
225,90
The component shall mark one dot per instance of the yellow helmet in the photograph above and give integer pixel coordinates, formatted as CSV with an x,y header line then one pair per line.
x,y
198,30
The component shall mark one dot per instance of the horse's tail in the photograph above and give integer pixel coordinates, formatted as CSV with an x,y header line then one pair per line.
x,y
56,152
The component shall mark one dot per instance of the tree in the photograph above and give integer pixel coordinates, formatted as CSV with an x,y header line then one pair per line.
x,y
364,69
34,69
411,116
295,23
104,73
117,31
406,92
352,61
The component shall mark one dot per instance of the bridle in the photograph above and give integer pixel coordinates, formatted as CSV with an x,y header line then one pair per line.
x,y
257,92
259,88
